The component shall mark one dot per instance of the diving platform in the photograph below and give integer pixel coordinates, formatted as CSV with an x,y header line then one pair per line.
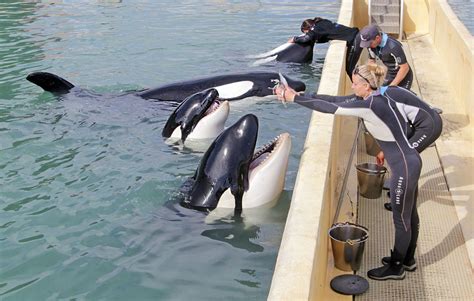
x,y
440,52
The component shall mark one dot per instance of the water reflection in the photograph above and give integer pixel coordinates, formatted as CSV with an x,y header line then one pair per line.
x,y
235,232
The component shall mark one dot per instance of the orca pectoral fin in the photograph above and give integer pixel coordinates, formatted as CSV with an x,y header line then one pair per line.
x,y
272,52
50,82
241,186
264,60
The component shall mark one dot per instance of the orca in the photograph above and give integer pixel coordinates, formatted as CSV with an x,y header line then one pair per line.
x,y
232,86
232,175
200,116
287,53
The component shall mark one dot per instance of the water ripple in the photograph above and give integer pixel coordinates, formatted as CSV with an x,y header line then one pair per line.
x,y
88,183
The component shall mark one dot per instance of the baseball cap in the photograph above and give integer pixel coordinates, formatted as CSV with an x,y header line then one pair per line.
x,y
368,34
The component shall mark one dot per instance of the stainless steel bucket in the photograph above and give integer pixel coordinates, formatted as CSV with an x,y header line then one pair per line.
x,y
370,178
348,242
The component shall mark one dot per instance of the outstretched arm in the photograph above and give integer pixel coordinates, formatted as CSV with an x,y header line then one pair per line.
x,y
341,105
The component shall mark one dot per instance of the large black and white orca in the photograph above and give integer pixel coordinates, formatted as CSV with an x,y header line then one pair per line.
x,y
286,53
232,175
230,86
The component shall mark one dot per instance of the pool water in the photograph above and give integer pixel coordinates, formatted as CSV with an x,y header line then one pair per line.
x,y
87,183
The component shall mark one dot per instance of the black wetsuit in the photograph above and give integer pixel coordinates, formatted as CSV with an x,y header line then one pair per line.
x,y
324,31
387,114
390,52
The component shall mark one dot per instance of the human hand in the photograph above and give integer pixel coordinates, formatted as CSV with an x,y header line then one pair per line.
x,y
380,158
291,40
284,93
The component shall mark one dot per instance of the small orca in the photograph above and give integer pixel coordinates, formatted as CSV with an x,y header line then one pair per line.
x,y
200,116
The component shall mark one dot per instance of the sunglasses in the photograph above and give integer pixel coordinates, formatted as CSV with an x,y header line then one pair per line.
x,y
356,72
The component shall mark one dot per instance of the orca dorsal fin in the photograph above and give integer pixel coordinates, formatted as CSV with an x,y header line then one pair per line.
x,y
50,82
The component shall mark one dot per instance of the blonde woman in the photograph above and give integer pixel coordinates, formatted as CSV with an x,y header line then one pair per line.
x,y
387,113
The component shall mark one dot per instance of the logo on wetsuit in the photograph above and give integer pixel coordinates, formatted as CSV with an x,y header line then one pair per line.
x,y
398,190
417,143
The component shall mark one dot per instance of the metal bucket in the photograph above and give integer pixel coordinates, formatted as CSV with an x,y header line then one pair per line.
x,y
371,146
370,179
348,242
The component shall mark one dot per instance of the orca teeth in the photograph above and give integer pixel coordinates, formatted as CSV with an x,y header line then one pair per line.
x,y
214,106
272,144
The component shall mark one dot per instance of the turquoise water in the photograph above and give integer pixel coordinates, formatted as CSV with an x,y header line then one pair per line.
x,y
86,183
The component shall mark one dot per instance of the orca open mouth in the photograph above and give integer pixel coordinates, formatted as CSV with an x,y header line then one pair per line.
x,y
266,151
213,107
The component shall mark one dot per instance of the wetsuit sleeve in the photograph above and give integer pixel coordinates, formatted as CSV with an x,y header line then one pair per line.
x,y
334,99
309,37
333,104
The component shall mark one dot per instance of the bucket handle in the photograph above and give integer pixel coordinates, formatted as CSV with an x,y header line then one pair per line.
x,y
352,242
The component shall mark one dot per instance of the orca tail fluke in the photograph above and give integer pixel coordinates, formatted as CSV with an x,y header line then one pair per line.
x,y
50,82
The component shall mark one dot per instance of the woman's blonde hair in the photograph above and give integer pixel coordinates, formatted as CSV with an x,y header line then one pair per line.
x,y
373,73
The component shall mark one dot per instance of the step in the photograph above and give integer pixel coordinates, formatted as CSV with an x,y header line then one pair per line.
x,y
385,9
393,29
384,2
380,19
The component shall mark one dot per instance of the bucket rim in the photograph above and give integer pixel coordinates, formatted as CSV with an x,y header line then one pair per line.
x,y
349,241
365,167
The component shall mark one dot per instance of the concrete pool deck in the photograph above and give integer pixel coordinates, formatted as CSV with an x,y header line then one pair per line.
x,y
440,51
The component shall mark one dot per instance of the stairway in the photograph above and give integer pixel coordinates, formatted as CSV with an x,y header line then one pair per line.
x,y
387,15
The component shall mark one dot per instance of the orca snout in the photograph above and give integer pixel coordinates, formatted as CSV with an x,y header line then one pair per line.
x,y
212,93
297,85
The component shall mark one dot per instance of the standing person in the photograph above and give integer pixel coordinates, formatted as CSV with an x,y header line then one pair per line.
x,y
390,52
385,113
319,30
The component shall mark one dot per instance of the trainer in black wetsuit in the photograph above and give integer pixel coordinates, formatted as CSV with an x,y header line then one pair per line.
x,y
386,114
390,52
319,30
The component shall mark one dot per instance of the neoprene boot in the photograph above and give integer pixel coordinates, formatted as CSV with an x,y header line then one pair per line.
x,y
409,264
393,270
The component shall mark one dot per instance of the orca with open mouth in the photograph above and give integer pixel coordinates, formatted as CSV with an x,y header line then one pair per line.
x,y
200,116
230,86
232,175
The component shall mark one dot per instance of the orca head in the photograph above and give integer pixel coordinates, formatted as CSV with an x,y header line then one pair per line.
x,y
50,82
224,165
297,85
199,116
